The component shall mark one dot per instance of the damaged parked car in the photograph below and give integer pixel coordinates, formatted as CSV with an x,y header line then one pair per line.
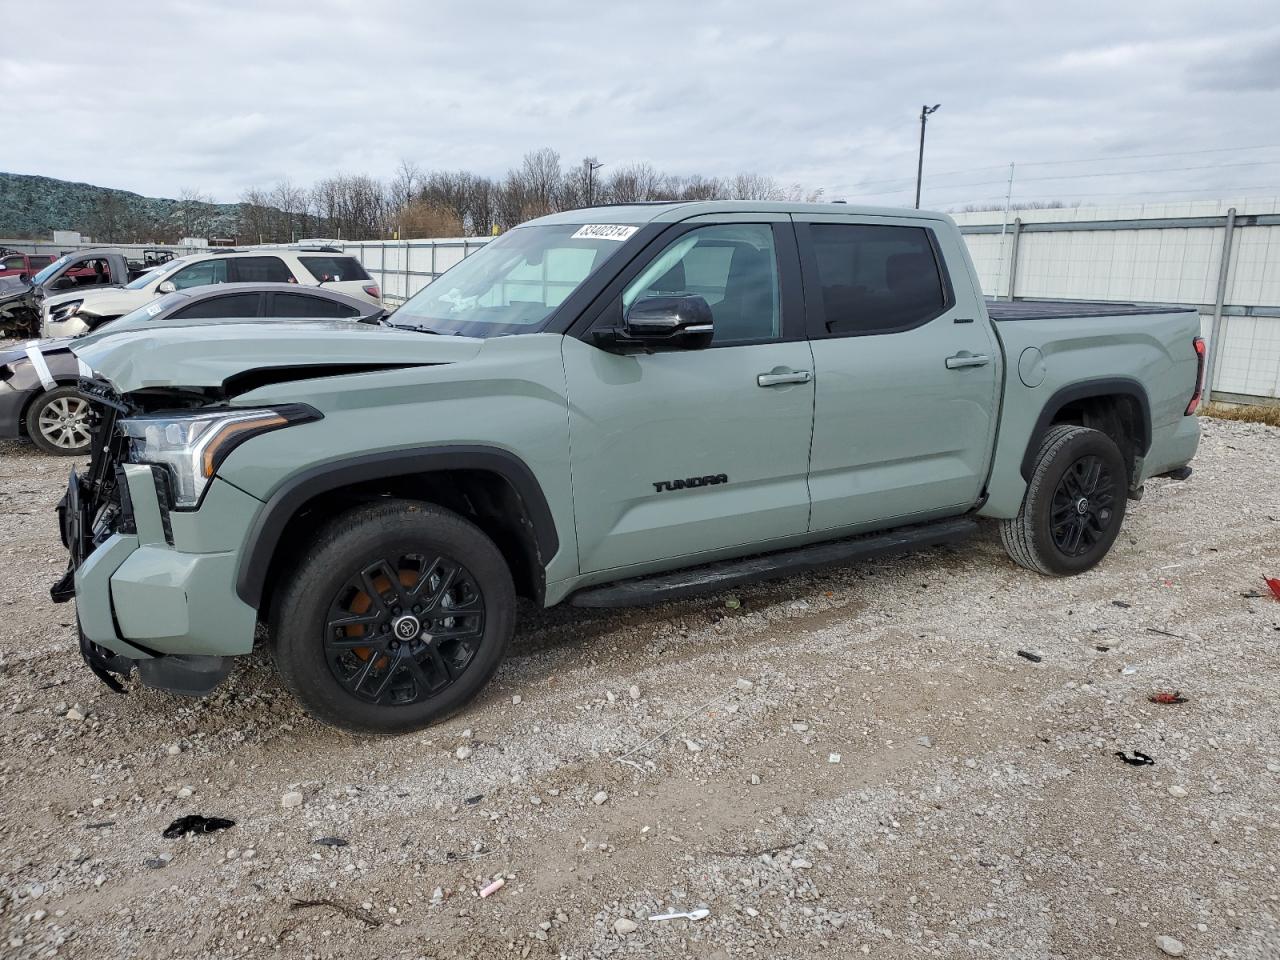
x,y
38,396
22,297
77,312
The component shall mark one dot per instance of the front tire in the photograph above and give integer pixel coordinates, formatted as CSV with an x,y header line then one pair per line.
x,y
397,616
1074,504
58,422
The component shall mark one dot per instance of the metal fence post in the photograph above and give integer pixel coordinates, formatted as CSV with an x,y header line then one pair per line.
x,y
1013,256
1215,325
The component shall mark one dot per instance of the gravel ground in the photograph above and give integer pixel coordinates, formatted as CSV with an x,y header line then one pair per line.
x,y
847,764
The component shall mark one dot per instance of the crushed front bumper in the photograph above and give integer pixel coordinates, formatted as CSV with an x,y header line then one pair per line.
x,y
155,588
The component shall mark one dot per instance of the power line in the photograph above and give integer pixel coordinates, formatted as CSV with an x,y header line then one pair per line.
x,y
1044,163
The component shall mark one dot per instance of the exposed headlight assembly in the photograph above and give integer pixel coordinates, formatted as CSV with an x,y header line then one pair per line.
x,y
65,311
191,446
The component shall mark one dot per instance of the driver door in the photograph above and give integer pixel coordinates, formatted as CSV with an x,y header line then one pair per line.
x,y
696,451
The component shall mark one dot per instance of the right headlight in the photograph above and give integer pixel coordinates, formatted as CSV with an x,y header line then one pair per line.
x,y
190,446
65,311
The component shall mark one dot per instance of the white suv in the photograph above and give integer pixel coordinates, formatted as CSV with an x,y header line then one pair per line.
x,y
76,312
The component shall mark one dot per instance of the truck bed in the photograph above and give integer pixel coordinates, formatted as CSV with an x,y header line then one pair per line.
x,y
1005,311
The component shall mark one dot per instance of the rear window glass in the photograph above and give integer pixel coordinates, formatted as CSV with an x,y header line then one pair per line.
x,y
334,268
262,270
300,305
231,305
876,279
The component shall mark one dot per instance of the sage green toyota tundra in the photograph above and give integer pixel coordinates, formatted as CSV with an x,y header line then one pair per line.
x,y
610,406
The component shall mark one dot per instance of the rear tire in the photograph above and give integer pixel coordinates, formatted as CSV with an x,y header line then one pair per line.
x,y
1074,504
397,616
58,422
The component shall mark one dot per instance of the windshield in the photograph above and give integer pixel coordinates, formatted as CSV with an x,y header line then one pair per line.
x,y
513,284
49,271
152,274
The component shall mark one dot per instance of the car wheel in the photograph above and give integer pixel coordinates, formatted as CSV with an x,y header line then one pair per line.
x,y
58,422
398,615
1074,503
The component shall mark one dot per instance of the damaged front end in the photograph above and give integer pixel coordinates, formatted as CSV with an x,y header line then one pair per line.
x,y
138,583
94,507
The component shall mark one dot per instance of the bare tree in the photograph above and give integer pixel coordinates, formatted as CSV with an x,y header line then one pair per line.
x,y
405,185
636,181
194,212
755,186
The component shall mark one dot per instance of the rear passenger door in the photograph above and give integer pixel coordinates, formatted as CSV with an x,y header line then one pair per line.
x,y
237,305
260,270
907,373
302,306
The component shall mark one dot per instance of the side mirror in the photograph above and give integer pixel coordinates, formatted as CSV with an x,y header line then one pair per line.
x,y
168,286
24,276
664,323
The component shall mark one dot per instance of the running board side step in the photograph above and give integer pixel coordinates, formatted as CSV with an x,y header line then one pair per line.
x,y
680,584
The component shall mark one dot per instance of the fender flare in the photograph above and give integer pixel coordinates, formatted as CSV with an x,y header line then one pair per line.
x,y
285,501
1084,390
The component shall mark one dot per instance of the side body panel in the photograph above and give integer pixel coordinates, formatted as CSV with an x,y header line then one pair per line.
x,y
510,396
899,435
1152,352
638,422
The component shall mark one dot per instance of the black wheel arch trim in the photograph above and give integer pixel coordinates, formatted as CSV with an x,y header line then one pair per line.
x,y
285,501
1085,390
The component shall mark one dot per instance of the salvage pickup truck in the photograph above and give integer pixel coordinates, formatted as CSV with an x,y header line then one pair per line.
x,y
609,406
22,297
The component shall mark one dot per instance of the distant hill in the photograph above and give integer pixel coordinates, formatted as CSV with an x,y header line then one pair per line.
x,y
33,207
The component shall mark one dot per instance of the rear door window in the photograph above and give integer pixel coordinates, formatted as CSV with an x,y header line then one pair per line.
x,y
300,305
873,279
334,269
199,274
40,262
231,305
261,270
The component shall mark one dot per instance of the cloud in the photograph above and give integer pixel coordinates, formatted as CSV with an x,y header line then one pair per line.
x,y
230,96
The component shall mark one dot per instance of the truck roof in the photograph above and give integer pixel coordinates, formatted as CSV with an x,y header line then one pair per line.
x,y
671,211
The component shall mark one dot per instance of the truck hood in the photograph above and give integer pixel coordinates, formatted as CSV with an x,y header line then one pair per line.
x,y
209,356
12,288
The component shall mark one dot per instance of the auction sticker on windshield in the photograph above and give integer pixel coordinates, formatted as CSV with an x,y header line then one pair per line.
x,y
605,231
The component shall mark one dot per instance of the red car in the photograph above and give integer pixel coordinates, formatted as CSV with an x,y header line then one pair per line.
x,y
15,264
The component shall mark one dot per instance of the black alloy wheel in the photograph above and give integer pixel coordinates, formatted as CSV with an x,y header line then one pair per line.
x,y
404,628
1083,506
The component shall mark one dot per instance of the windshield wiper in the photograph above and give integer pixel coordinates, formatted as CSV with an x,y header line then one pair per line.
x,y
405,326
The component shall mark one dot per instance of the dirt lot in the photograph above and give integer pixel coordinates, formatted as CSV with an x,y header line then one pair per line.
x,y
857,763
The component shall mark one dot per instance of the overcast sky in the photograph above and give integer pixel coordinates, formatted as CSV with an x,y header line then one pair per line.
x,y
220,97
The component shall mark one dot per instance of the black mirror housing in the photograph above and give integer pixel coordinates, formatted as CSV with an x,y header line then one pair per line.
x,y
663,323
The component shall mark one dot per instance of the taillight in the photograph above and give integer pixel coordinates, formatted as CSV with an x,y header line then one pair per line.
x,y
372,290
1198,343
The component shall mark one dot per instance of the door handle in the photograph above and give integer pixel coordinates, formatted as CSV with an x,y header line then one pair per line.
x,y
966,359
778,379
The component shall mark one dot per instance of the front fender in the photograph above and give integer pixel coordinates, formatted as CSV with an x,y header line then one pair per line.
x,y
269,525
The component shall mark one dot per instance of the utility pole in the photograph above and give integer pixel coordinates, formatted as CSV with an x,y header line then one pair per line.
x,y
924,118
1004,228
591,166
